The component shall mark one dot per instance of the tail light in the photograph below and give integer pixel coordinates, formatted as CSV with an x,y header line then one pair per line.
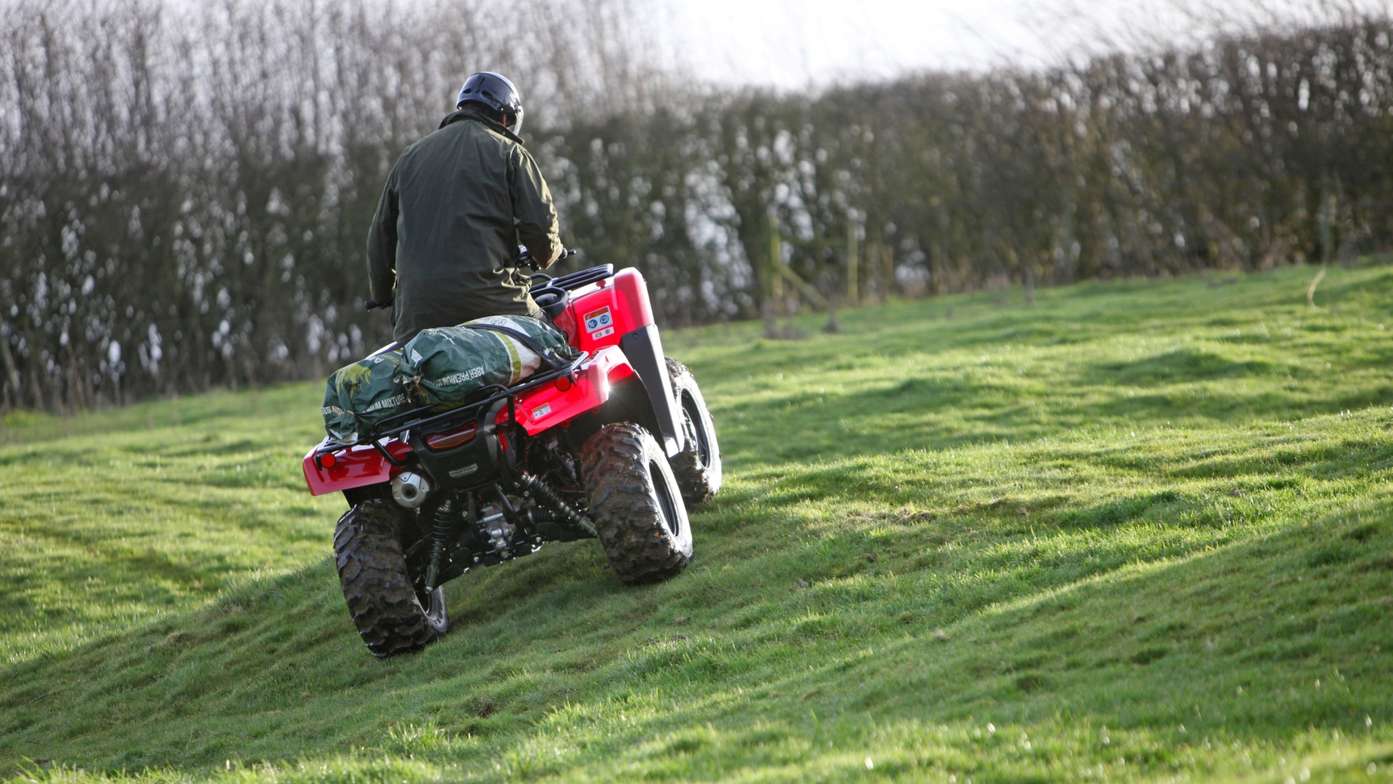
x,y
452,439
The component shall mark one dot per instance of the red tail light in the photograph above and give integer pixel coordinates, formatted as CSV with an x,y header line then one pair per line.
x,y
453,438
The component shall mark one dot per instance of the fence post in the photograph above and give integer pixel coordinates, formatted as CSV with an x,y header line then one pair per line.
x,y
776,262
853,263
772,283
887,273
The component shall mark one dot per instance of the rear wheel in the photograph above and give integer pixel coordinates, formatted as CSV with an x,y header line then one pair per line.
x,y
698,466
634,498
391,613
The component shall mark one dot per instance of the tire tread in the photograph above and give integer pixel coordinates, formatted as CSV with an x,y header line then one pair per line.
x,y
626,509
376,586
699,483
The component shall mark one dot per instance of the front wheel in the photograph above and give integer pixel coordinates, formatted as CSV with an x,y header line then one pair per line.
x,y
638,510
391,614
698,466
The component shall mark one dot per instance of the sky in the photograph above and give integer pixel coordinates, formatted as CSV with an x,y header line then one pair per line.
x,y
795,43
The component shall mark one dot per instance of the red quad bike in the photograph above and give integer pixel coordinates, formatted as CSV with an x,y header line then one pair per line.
x,y
616,444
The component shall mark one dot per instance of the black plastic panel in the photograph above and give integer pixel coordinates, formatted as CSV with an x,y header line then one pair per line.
x,y
644,349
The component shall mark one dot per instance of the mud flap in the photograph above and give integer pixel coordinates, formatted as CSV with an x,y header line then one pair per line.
x,y
644,350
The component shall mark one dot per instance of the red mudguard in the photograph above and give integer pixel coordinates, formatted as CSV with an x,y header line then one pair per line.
x,y
604,312
563,399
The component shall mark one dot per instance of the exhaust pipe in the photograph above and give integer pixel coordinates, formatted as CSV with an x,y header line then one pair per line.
x,y
409,489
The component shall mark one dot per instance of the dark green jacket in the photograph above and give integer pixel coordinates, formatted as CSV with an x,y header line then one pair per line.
x,y
456,206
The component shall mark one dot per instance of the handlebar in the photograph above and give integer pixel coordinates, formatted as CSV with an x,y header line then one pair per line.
x,y
524,258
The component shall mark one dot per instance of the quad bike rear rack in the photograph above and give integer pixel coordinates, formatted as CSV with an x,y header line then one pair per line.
x,y
430,418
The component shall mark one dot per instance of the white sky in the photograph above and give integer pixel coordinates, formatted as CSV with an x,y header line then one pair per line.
x,y
791,43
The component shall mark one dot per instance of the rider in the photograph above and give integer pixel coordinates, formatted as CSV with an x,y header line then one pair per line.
x,y
455,208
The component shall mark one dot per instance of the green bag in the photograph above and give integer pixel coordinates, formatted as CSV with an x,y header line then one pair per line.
x,y
364,394
446,365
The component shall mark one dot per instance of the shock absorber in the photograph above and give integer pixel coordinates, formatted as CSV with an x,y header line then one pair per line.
x,y
442,523
567,512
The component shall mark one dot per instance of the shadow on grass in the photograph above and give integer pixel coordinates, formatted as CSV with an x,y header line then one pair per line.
x,y
1180,403
1177,365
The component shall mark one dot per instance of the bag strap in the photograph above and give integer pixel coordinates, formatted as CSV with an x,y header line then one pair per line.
x,y
547,355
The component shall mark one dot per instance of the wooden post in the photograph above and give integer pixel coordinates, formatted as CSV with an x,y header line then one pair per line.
x,y
771,286
887,274
1325,229
853,264
11,373
776,263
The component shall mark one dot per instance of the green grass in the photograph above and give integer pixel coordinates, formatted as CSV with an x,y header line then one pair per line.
x,y
1138,530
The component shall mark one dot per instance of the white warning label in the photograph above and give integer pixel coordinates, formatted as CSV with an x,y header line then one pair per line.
x,y
599,323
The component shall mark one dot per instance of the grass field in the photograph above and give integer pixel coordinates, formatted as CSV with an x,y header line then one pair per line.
x,y
1139,530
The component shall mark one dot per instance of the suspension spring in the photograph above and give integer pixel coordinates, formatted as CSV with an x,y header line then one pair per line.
x,y
442,523
567,512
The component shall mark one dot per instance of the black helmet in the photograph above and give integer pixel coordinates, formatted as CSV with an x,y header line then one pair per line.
x,y
497,93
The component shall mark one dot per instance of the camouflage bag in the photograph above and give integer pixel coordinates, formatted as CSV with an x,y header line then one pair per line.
x,y
446,365
363,394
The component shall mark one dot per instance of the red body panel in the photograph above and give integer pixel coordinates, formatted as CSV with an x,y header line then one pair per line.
x,y
357,466
604,312
563,400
